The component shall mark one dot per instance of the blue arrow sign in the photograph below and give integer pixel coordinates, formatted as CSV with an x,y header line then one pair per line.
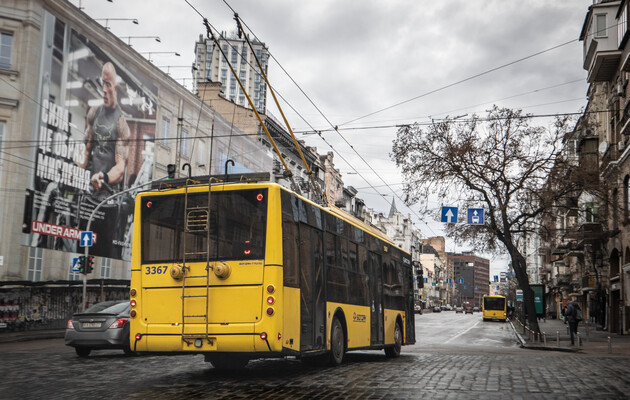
x,y
448,215
86,239
475,216
460,280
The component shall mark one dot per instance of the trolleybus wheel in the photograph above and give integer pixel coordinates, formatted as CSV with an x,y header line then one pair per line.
x,y
227,362
394,351
337,340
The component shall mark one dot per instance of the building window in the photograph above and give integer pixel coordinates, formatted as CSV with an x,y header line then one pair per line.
x,y
6,48
184,146
35,264
234,55
201,154
592,212
600,25
106,267
622,23
164,132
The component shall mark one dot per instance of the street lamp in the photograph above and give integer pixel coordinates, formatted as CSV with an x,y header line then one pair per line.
x,y
157,38
80,7
149,53
168,67
133,20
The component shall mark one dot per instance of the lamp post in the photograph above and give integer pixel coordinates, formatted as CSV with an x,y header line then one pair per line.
x,y
157,38
133,20
149,53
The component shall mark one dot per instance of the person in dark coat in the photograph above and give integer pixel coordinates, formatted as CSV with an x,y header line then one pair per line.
x,y
570,314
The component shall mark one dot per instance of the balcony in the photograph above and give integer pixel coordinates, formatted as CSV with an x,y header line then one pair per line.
x,y
601,45
562,280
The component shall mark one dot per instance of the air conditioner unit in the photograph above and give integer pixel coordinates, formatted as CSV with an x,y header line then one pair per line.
x,y
621,145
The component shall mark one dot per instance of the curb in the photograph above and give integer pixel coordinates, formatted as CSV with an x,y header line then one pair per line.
x,y
524,345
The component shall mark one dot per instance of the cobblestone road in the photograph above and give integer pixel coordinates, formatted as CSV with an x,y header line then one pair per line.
x,y
48,369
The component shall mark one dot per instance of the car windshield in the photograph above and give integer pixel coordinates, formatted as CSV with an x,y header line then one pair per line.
x,y
108,307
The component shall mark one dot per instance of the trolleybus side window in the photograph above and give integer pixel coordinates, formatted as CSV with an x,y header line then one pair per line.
x,y
290,239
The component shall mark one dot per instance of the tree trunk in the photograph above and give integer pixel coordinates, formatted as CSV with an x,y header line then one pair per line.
x,y
520,269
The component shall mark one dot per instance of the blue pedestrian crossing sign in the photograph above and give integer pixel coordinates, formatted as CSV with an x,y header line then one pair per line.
x,y
86,239
475,216
449,215
75,264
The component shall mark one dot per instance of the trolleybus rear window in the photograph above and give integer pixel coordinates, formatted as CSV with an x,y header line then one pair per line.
x,y
235,229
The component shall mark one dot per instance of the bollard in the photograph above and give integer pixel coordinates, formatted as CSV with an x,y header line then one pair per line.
x,y
588,339
558,338
579,339
544,335
609,346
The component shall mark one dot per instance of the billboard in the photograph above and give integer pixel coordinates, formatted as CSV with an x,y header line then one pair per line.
x,y
539,299
96,131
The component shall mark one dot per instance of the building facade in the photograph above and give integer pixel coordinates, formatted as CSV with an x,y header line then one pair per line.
x,y
211,66
63,77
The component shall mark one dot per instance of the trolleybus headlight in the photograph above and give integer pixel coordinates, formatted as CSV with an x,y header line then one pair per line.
x,y
270,311
271,300
132,303
263,336
270,289
132,292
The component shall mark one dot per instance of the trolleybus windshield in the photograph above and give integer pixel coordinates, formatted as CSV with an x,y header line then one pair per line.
x,y
235,229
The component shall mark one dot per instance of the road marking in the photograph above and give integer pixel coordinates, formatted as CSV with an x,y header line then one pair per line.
x,y
462,332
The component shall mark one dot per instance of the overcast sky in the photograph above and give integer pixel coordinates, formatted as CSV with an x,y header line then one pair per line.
x,y
357,59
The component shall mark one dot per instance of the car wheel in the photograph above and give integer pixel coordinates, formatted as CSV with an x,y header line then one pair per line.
x,y
394,351
337,343
82,351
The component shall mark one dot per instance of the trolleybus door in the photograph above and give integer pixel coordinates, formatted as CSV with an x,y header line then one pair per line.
x,y
313,307
376,298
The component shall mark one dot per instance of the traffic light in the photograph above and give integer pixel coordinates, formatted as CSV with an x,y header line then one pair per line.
x,y
420,278
82,264
170,169
86,264
89,265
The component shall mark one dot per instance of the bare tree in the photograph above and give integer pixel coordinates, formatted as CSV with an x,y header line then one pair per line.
x,y
501,163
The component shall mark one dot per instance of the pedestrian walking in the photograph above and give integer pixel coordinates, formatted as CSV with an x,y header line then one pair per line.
x,y
573,314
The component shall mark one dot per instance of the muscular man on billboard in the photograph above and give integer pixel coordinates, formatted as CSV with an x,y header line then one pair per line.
x,y
106,137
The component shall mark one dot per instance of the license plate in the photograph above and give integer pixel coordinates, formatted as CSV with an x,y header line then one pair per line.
x,y
91,324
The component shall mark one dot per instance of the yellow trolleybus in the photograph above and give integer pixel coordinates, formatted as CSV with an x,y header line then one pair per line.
x,y
238,271
494,308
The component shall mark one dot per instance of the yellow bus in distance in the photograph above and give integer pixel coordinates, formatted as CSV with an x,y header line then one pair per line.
x,y
494,308
243,270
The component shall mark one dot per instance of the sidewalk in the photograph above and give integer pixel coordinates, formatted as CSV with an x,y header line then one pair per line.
x,y
556,334
23,336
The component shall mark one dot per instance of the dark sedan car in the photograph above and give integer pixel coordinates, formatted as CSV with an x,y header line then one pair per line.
x,y
102,326
437,309
468,310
